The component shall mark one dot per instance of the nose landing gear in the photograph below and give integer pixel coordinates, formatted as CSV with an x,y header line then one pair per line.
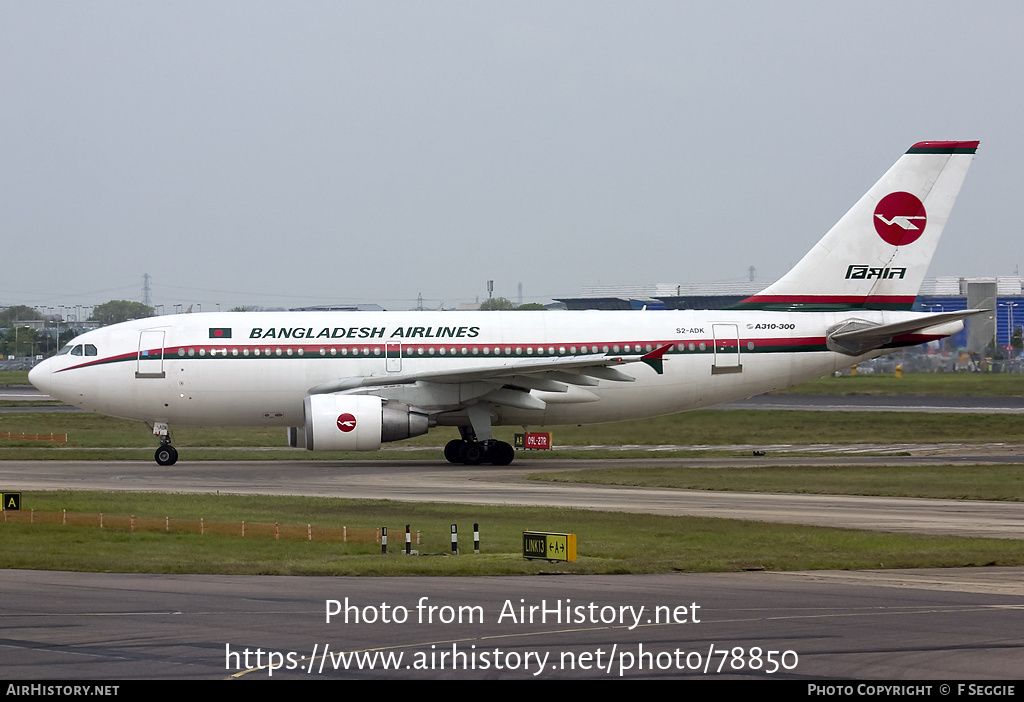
x,y
166,455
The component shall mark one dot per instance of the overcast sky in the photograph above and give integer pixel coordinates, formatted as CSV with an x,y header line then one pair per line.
x,y
293,153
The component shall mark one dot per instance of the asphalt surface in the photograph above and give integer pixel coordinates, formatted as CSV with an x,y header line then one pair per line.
x,y
909,625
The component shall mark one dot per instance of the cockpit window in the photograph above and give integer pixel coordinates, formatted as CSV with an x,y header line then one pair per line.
x,y
78,350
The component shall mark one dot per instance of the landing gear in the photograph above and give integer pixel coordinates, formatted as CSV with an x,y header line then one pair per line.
x,y
471,452
500,453
166,455
452,450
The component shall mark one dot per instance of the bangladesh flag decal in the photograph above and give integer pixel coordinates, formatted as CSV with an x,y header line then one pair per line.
x,y
220,332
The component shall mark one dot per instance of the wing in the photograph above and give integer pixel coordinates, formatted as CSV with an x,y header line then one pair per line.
x,y
501,384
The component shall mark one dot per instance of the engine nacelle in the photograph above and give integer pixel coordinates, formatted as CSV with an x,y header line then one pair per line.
x,y
354,423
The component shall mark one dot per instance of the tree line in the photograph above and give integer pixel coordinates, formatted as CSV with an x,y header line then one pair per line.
x,y
20,340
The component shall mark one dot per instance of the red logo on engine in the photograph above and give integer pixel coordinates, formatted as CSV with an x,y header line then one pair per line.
x,y
346,422
900,218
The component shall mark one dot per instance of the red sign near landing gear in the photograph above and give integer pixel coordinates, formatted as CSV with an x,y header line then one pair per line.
x,y
533,440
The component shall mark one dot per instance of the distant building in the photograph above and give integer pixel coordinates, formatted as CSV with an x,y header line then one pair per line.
x,y
662,296
1002,295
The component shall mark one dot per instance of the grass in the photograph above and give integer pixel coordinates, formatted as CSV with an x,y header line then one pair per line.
x,y
934,384
608,542
125,439
982,482
717,427
13,377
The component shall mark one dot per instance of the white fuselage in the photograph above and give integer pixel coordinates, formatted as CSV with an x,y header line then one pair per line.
x,y
254,369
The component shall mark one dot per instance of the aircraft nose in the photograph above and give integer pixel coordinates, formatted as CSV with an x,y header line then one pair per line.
x,y
39,376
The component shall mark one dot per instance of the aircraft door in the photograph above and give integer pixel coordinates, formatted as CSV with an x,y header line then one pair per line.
x,y
151,354
727,349
393,357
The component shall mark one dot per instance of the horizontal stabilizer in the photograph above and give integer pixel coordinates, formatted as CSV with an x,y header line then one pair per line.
x,y
857,336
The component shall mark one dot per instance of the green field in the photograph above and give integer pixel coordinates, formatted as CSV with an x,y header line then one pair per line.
x,y
951,482
14,378
934,384
105,438
608,542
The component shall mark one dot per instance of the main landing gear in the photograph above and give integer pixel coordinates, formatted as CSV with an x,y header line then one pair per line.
x,y
473,453
476,445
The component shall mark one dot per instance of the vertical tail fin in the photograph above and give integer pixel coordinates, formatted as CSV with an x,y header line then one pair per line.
x,y
876,256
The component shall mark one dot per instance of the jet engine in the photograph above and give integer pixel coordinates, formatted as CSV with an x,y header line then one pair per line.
x,y
354,423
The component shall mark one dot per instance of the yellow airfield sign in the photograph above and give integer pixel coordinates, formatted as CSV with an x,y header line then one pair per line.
x,y
549,546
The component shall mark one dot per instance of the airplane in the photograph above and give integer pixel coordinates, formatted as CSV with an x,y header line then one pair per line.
x,y
355,380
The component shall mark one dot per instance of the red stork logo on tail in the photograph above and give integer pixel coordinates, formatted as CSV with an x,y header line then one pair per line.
x,y
900,218
346,422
